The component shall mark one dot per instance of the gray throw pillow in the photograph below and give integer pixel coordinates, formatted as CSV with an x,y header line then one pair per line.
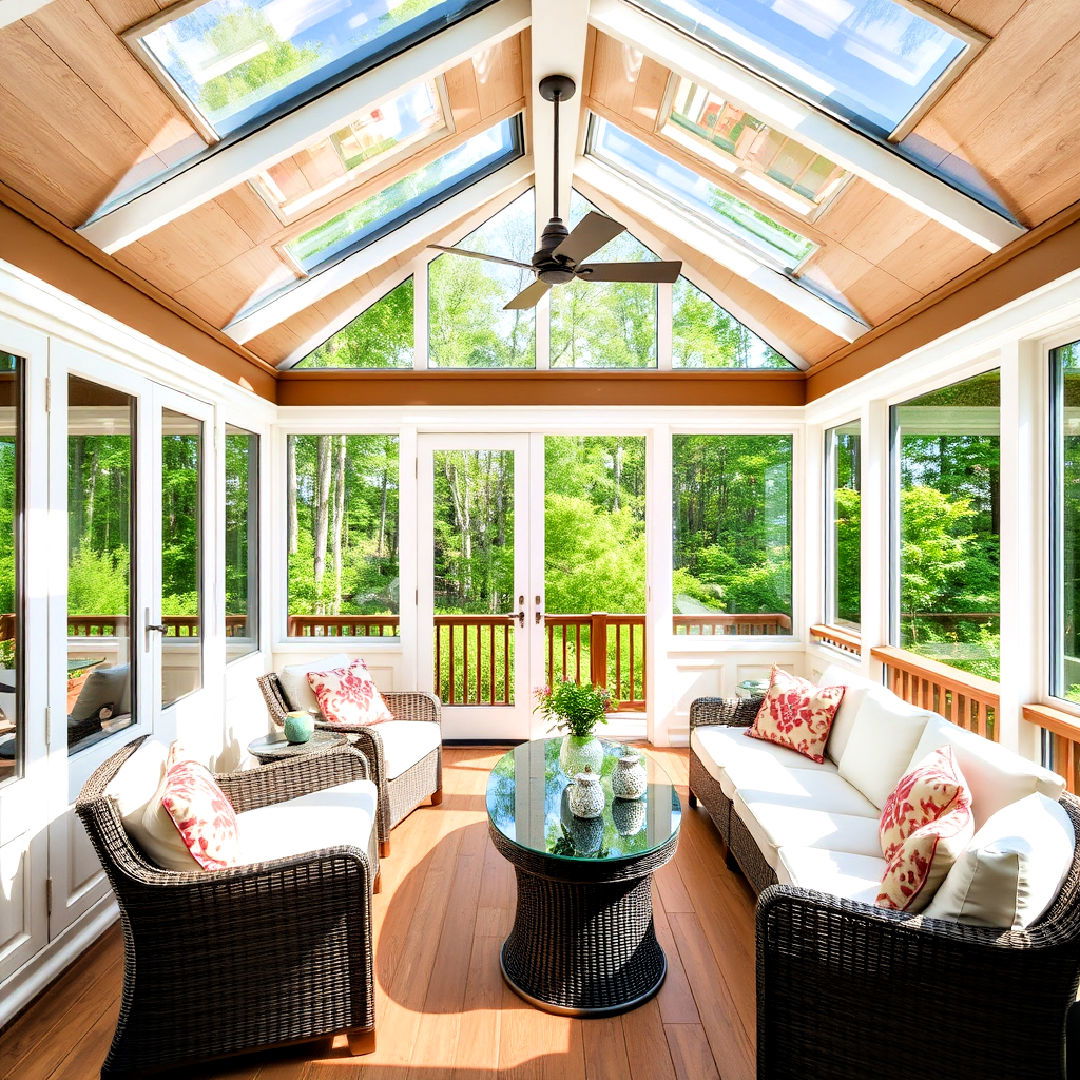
x,y
106,691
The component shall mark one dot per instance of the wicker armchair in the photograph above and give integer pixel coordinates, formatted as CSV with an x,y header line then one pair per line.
x,y
228,961
847,990
398,796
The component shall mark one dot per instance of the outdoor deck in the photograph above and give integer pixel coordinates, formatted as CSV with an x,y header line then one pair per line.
x,y
442,1008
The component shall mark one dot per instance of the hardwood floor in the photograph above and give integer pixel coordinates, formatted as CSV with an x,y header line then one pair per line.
x,y
443,1012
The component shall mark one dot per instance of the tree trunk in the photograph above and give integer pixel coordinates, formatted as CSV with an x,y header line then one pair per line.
x,y
290,481
381,549
321,518
339,520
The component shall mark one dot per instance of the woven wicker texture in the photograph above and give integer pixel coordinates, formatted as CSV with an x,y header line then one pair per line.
x,y
400,796
216,963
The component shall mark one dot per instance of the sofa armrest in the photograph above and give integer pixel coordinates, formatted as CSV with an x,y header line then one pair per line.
x,y
729,712
267,785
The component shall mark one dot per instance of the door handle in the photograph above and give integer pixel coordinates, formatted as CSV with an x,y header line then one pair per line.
x,y
159,627
539,613
521,611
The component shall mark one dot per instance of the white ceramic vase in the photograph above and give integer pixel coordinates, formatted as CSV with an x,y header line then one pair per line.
x,y
586,796
580,752
628,815
629,780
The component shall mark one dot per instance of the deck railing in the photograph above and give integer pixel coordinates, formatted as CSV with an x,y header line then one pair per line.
x,y
836,638
343,626
117,626
768,625
606,650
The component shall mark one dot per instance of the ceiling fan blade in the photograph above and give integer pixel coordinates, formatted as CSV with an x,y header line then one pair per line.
x,y
592,233
528,297
656,273
481,255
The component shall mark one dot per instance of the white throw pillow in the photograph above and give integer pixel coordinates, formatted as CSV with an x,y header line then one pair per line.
x,y
137,780
857,688
1012,870
294,679
883,738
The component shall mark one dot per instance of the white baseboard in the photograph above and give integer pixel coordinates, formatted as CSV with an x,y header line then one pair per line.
x,y
19,989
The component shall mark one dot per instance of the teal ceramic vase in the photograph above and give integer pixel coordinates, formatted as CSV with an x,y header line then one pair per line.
x,y
299,727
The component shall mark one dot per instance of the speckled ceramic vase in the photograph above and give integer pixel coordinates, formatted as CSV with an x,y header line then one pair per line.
x,y
628,815
629,780
586,796
580,752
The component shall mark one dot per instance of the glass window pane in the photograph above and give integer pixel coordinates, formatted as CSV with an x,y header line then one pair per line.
x,y
343,535
241,542
732,551
871,61
384,211
704,335
101,663
467,326
236,60
843,450
604,324
675,182
379,337
11,569
181,555
1065,675
947,444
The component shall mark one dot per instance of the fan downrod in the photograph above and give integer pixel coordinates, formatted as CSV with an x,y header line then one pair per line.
x,y
549,267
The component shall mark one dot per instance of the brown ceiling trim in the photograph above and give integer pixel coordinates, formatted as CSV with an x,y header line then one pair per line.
x,y
1035,259
38,243
477,388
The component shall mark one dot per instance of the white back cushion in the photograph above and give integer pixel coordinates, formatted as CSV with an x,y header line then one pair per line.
x,y
857,688
137,780
1013,868
996,776
882,740
295,683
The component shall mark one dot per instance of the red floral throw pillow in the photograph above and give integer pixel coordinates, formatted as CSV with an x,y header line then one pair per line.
x,y
349,696
202,814
925,824
797,714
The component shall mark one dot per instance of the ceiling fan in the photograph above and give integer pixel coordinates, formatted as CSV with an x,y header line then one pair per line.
x,y
558,259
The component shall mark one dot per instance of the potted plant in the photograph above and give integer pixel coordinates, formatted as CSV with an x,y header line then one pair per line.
x,y
575,710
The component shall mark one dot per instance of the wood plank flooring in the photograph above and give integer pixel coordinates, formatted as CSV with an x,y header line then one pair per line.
x,y
442,1010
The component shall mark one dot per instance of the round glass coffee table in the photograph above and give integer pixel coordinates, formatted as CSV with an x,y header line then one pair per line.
x,y
583,942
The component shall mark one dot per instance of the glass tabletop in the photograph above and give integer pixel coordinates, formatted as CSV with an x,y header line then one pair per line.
x,y
527,803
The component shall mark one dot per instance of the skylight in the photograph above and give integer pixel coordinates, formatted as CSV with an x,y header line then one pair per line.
x,y
381,213
669,179
322,168
870,61
762,158
231,62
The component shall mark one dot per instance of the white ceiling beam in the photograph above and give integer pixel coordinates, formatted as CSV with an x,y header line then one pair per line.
x,y
237,162
14,10
793,116
727,252
559,30
417,231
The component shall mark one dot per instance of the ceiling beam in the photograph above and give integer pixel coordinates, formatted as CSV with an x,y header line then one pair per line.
x,y
14,10
559,31
417,231
793,116
727,252
225,168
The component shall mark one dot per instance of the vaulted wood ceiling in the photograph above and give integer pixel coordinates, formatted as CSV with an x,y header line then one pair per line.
x,y
80,116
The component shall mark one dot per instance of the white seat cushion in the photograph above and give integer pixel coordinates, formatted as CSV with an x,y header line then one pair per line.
x,y
854,877
294,679
720,746
336,816
883,738
405,742
774,826
857,687
1012,869
995,776
808,789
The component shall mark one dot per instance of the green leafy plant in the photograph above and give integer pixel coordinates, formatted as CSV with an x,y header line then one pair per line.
x,y
573,709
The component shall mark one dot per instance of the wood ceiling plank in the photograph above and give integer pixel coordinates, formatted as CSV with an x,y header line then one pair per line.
x,y
461,94
615,71
649,92
873,292
931,257
220,296
987,16
278,342
121,15
498,76
250,212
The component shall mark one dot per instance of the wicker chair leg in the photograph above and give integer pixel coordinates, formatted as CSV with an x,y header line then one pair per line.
x,y
384,848
693,801
731,862
436,797
376,885
361,1041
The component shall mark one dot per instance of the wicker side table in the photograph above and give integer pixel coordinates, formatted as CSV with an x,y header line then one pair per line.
x,y
271,748
583,942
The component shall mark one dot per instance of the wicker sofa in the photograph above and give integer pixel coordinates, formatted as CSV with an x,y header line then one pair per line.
x,y
846,989
271,952
405,754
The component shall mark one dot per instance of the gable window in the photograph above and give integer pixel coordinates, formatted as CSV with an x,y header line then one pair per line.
x,y
381,336
1065,500
843,541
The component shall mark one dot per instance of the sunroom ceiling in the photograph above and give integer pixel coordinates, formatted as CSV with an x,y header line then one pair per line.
x,y
277,209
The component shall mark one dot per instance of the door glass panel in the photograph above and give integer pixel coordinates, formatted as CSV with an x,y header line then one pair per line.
x,y
181,555
843,451
594,563
473,569
11,464
241,542
100,701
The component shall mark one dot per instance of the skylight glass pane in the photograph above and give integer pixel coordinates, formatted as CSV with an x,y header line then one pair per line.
x,y
674,181
705,335
749,150
384,211
316,172
381,336
235,60
871,61
604,324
